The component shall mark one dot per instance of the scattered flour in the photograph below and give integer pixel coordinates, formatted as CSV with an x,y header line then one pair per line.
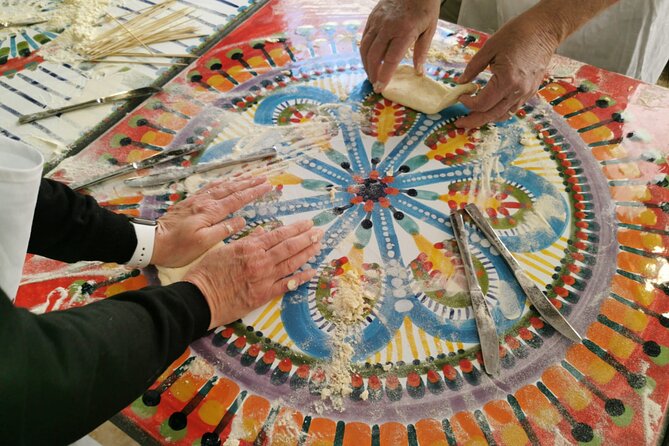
x,y
652,412
508,302
80,19
487,169
351,301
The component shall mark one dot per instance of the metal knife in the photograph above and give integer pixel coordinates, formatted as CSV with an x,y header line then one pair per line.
x,y
27,22
158,158
176,174
137,93
533,292
485,324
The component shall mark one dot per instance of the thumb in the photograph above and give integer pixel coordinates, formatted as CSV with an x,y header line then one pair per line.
x,y
478,63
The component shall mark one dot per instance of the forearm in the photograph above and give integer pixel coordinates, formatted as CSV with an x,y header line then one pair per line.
x,y
564,17
65,372
70,227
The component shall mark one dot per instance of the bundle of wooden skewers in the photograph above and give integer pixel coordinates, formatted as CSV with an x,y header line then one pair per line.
x,y
156,24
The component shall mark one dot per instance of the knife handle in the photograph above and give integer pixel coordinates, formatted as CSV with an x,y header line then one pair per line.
x,y
460,234
25,119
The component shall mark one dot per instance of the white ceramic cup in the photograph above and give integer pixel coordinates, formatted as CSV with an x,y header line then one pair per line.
x,y
20,175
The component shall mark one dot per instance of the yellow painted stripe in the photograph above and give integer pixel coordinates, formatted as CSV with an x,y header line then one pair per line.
x,y
410,337
423,340
450,346
276,331
540,260
533,277
290,344
548,253
534,149
564,239
529,160
270,306
533,264
270,321
460,346
283,338
398,343
389,351
541,169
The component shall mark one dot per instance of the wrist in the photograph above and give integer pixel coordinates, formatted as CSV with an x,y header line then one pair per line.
x,y
201,284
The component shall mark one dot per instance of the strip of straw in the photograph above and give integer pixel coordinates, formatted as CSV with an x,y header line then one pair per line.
x,y
131,33
146,28
136,62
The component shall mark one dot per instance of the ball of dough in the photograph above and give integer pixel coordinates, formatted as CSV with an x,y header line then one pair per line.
x,y
423,93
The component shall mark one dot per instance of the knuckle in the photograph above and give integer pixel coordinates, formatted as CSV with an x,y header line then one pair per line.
x,y
238,196
293,245
201,206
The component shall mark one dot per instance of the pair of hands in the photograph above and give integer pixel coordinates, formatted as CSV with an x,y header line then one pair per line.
x,y
242,275
518,55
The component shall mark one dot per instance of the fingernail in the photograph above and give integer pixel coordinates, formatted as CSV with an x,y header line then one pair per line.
x,y
379,86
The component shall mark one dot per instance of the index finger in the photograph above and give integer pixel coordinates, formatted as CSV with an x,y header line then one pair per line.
x,y
226,188
240,198
391,60
276,236
491,95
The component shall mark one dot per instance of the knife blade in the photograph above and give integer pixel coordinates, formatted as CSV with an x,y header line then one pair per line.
x,y
485,324
139,92
176,174
26,22
544,306
158,158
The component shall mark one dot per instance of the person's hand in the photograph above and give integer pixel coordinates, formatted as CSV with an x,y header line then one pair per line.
x,y
518,55
247,273
197,223
392,27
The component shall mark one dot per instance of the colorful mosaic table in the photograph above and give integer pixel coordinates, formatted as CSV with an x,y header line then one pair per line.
x,y
581,196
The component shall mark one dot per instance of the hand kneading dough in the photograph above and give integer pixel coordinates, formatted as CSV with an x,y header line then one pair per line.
x,y
423,93
171,275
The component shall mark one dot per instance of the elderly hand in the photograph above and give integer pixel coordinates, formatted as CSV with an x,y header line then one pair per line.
x,y
245,274
518,55
392,27
197,223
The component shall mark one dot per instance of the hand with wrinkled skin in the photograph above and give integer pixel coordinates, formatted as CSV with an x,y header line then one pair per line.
x,y
194,225
518,55
245,274
392,27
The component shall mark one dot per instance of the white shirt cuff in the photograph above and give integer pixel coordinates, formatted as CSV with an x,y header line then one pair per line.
x,y
146,237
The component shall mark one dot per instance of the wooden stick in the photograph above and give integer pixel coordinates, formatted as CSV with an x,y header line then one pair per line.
x,y
136,62
174,55
131,33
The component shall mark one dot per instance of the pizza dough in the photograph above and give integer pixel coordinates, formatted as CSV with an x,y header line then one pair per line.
x,y
171,275
423,93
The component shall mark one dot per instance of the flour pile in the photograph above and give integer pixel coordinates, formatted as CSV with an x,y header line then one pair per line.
x,y
348,304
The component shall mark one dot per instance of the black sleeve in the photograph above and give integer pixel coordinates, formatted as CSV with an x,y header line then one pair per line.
x,y
70,227
64,373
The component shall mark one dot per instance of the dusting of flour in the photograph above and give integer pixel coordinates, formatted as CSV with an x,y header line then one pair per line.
x,y
348,305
